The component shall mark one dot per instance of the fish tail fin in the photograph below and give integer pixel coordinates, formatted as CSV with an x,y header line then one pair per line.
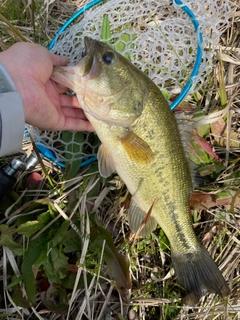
x,y
197,274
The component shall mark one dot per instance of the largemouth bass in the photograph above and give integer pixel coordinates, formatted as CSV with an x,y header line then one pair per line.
x,y
141,142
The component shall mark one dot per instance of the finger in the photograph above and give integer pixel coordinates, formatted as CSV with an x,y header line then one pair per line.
x,y
59,87
74,113
69,101
59,60
75,124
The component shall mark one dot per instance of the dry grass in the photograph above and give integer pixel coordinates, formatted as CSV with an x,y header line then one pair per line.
x,y
155,294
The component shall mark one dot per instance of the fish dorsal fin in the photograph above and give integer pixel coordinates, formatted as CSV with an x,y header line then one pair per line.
x,y
186,130
136,148
105,162
185,126
136,217
197,179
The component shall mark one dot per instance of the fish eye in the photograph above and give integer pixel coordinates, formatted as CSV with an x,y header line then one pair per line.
x,y
109,57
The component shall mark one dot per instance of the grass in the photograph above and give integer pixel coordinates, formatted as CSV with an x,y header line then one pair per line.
x,y
56,226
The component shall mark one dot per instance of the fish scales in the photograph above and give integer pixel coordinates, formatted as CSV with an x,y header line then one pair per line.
x,y
141,141
168,171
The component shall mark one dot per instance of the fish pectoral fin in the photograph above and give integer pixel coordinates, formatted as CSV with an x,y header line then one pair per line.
x,y
105,162
136,148
135,218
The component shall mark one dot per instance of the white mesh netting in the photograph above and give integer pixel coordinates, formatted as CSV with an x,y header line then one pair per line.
x,y
157,36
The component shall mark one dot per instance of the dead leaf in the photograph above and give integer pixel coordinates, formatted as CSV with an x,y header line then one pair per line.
x,y
219,132
203,200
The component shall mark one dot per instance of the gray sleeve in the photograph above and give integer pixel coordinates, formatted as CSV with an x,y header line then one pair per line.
x,y
11,115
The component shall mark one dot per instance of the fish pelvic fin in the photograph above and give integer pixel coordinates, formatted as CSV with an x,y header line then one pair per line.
x,y
197,274
105,162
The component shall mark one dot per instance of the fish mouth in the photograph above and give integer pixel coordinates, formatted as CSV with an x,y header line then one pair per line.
x,y
65,76
88,44
88,68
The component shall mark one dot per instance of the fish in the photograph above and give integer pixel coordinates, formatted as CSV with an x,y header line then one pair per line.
x,y
140,140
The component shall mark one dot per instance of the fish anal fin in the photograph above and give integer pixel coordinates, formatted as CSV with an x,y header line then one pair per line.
x,y
105,162
136,148
135,218
197,274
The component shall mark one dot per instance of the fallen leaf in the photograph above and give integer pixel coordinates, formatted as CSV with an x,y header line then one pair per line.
x,y
219,132
55,299
203,200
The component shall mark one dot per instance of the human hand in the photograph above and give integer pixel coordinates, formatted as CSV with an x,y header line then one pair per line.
x,y
46,105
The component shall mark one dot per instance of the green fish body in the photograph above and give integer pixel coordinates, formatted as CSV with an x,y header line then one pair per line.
x,y
141,142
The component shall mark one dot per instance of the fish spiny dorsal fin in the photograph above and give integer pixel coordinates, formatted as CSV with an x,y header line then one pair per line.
x,y
136,217
136,148
105,162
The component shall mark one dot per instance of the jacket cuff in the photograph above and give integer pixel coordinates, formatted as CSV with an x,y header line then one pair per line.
x,y
6,83
12,119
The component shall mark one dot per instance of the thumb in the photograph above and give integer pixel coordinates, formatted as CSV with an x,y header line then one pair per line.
x,y
59,60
